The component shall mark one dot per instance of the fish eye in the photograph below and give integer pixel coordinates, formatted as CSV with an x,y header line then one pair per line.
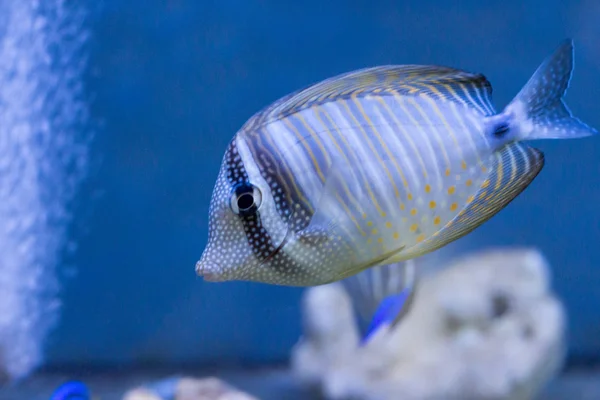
x,y
245,199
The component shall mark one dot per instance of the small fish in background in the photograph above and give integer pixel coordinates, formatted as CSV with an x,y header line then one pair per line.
x,y
377,166
382,296
71,390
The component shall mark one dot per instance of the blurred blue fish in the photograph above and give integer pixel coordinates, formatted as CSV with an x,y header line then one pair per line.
x,y
71,390
382,296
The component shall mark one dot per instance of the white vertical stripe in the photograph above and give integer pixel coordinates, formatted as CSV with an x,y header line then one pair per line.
x,y
421,139
472,102
297,160
376,176
395,143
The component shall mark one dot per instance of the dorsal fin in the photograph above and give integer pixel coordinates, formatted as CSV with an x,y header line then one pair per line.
x,y
514,168
472,90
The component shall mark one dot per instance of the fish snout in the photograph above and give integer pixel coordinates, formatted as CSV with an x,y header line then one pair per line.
x,y
209,271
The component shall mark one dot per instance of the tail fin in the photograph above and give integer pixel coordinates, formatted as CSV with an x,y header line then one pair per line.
x,y
539,110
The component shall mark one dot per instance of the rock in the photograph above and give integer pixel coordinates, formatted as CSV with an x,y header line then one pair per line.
x,y
187,389
485,327
208,389
141,394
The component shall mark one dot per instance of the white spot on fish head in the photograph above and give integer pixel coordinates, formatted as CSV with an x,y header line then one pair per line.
x,y
227,253
256,233
246,230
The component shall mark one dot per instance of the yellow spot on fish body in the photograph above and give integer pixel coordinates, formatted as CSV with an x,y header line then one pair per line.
x,y
483,169
409,196
402,206
364,216
432,204
380,240
463,165
413,211
396,235
469,182
453,207
369,223
388,224
447,171
437,220
451,190
427,188
414,227
383,214
374,231
420,238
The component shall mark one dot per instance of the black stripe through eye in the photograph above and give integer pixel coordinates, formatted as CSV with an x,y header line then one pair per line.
x,y
501,130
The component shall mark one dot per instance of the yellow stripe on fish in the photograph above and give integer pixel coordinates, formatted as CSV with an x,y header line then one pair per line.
x,y
376,166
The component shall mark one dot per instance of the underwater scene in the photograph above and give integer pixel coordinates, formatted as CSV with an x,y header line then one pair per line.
x,y
276,200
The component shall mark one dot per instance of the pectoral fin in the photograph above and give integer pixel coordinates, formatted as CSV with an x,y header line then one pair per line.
x,y
353,202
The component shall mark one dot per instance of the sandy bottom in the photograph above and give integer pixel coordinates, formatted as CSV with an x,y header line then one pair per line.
x,y
267,384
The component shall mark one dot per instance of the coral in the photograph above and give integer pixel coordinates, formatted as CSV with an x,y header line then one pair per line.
x,y
485,327
188,389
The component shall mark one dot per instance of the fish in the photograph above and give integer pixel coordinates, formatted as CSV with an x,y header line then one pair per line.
x,y
377,166
71,390
381,296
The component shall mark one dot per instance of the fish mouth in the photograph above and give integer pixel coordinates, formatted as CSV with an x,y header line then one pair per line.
x,y
208,271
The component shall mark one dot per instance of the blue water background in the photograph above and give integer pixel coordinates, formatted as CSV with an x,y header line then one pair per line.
x,y
172,81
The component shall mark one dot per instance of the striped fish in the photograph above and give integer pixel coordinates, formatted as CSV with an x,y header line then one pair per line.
x,y
381,296
374,167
